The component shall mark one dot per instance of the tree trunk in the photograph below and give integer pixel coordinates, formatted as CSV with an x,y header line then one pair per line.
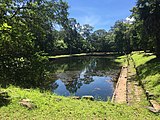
x,y
158,46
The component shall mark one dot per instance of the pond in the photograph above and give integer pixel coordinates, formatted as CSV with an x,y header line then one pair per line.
x,y
87,75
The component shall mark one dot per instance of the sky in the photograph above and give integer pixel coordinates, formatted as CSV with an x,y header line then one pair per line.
x,y
101,14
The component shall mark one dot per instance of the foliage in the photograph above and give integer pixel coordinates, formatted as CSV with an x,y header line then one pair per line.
x,y
25,30
148,12
122,36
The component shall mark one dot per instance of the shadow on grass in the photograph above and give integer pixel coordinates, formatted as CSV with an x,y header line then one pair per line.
x,y
151,67
149,77
4,99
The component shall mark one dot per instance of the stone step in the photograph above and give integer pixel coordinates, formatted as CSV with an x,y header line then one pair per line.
x,y
155,105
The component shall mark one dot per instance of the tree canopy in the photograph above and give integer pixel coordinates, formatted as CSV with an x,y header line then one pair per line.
x,y
32,29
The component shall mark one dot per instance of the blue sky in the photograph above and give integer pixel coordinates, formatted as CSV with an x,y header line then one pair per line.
x,y
101,14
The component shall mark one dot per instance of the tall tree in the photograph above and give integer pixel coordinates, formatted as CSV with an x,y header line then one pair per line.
x,y
86,30
122,36
73,38
149,13
24,30
98,40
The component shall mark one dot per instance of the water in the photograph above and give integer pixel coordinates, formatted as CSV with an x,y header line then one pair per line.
x,y
79,76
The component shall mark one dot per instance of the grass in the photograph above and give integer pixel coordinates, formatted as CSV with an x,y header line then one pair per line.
x,y
136,94
83,54
72,55
122,60
141,58
148,68
52,107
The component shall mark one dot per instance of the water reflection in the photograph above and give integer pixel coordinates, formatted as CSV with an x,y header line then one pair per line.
x,y
68,76
84,76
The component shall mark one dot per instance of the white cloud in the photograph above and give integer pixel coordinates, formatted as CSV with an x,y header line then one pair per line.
x,y
93,17
95,21
130,19
92,20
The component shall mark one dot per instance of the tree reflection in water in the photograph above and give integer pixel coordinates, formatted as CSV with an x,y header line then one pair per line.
x,y
82,73
67,76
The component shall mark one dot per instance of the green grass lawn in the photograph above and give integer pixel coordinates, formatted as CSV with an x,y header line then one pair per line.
x,y
148,72
62,56
51,107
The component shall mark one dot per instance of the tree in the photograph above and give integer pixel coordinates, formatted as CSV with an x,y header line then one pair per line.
x,y
73,38
98,39
110,42
25,29
86,30
122,36
148,11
